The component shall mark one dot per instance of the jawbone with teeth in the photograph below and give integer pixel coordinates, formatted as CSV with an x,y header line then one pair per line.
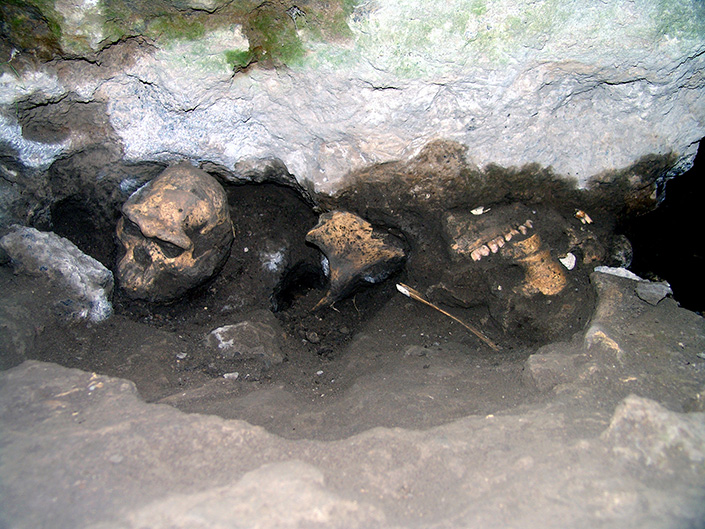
x,y
508,230
500,259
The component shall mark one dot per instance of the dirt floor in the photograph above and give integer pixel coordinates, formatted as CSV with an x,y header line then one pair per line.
x,y
603,431
340,364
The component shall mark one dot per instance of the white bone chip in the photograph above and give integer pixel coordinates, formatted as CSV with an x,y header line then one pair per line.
x,y
568,261
403,290
479,211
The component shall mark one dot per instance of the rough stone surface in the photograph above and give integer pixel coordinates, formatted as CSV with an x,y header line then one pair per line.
x,y
643,431
17,335
549,367
585,89
256,338
276,488
653,292
87,283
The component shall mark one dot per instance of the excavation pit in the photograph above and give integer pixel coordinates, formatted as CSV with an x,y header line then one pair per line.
x,y
253,342
373,358
378,397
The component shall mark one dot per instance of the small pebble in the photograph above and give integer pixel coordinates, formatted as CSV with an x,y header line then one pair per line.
x,y
313,337
231,376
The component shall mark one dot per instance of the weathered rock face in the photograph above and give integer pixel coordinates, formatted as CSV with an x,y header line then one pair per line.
x,y
86,284
256,338
582,88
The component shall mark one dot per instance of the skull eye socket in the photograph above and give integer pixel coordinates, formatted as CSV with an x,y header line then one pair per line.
x,y
130,228
169,250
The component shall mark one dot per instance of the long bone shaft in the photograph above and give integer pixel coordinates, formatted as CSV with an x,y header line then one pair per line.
x,y
414,294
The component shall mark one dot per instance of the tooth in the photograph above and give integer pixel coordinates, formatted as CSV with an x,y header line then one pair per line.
x,y
568,261
522,229
484,250
499,241
529,223
493,246
512,233
476,254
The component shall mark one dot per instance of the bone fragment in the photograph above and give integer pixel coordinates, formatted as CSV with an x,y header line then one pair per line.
x,y
583,217
415,294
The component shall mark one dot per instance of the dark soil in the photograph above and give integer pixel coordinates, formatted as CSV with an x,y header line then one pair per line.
x,y
578,432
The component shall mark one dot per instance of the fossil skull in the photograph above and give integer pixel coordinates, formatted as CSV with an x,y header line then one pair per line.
x,y
176,233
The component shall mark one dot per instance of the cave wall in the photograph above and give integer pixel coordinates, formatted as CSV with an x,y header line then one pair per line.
x,y
324,89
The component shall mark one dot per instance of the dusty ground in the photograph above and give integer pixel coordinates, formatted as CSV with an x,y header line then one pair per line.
x,y
604,431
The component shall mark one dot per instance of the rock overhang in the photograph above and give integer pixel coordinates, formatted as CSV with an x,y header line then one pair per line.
x,y
581,90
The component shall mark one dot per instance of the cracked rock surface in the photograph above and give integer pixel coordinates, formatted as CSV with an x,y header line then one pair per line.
x,y
582,89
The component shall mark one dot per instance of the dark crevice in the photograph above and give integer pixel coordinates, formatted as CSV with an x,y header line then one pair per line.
x,y
296,283
667,243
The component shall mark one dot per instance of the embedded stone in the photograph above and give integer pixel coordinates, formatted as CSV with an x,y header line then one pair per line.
x,y
653,292
88,285
642,431
256,338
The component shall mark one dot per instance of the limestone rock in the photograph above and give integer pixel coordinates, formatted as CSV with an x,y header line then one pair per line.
x,y
62,429
87,283
644,432
549,367
255,338
653,292
17,334
276,488
581,87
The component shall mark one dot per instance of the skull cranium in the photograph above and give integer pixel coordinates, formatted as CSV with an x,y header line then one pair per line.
x,y
176,233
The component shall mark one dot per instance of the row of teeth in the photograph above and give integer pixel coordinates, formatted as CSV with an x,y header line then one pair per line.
x,y
495,244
